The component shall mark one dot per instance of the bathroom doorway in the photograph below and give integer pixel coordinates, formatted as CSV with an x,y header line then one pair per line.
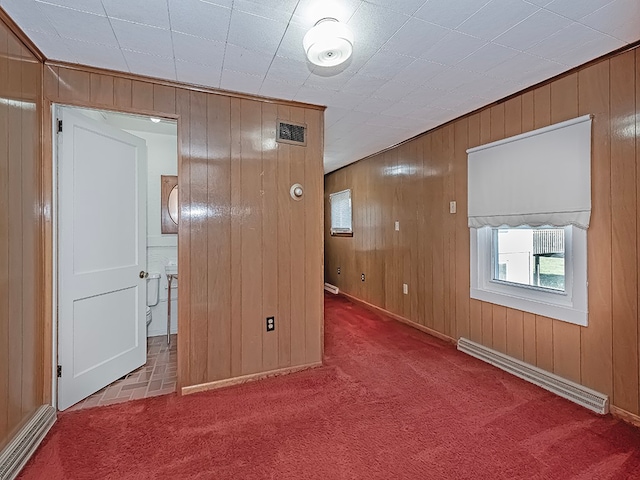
x,y
116,340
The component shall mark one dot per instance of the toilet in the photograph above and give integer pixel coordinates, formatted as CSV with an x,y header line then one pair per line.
x,y
153,293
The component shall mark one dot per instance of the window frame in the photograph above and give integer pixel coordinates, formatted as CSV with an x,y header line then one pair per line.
x,y
341,232
569,305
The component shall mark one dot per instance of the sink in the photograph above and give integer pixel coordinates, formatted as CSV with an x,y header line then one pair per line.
x,y
171,269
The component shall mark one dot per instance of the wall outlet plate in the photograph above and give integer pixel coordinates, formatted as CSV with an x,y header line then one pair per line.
x,y
271,324
397,226
453,207
338,270
405,288
362,277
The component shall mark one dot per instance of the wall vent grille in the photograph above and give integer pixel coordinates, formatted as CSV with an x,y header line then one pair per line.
x,y
292,133
579,394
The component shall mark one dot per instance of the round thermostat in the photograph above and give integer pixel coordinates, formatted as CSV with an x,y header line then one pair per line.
x,y
296,191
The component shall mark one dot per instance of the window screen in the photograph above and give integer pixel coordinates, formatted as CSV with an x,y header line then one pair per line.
x,y
341,212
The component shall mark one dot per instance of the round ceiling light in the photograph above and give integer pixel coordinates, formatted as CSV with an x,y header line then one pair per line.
x,y
328,43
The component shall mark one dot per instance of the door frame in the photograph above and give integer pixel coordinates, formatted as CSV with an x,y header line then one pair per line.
x,y
50,182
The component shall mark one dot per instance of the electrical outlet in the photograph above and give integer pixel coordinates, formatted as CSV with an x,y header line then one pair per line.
x,y
338,270
362,277
405,288
397,226
452,207
271,324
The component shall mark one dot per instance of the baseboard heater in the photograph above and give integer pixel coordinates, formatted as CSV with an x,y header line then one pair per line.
x,y
579,394
15,455
331,288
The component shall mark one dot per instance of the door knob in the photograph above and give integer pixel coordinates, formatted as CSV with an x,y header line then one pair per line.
x,y
143,274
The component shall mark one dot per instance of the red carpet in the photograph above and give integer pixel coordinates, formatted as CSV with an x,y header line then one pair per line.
x,y
391,403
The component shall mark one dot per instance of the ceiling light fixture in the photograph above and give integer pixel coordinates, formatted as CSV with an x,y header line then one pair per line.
x,y
154,119
328,43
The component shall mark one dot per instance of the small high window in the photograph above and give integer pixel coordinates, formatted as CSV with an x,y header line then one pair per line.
x,y
341,213
531,257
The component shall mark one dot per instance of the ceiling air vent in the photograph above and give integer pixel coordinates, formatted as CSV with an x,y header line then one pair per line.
x,y
293,133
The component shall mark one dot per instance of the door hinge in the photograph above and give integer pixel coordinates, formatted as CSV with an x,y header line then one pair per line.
x,y
59,126
59,371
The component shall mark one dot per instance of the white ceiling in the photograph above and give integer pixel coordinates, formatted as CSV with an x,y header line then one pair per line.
x,y
416,63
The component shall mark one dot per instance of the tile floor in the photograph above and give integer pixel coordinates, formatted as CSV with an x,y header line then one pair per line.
x,y
156,377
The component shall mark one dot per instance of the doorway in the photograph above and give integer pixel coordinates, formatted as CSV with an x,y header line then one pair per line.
x,y
112,257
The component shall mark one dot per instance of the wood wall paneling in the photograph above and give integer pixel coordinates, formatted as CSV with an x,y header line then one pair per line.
x,y
624,217
21,266
596,341
605,355
246,249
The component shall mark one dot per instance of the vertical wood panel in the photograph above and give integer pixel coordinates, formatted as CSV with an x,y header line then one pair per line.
x,y
298,252
251,242
529,332
16,273
101,89
566,338
198,245
164,100
270,274
462,230
314,253
218,235
283,329
5,118
624,229
596,340
544,343
236,239
515,334
122,92
183,108
142,95
21,267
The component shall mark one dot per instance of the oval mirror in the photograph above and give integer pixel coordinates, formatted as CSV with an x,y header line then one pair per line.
x,y
173,204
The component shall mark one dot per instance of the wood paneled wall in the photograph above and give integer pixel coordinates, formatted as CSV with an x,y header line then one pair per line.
x,y
20,248
414,184
246,249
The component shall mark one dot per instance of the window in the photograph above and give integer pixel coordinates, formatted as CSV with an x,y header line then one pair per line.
x,y
539,270
529,210
341,213
532,257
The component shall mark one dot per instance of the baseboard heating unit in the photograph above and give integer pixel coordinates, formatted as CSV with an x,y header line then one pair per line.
x,y
584,396
331,288
14,456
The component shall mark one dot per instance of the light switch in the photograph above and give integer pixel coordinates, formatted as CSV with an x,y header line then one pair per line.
x,y
452,207
397,226
405,288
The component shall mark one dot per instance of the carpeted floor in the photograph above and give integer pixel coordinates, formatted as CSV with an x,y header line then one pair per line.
x,y
390,403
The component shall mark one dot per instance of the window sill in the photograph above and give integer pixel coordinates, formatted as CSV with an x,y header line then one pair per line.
x,y
335,234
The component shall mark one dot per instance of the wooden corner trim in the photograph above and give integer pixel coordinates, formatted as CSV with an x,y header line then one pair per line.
x,y
184,86
625,416
23,37
228,382
401,319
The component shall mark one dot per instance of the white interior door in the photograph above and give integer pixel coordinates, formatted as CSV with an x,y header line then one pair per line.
x,y
102,250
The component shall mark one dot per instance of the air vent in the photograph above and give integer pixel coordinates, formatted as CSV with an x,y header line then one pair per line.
x,y
292,133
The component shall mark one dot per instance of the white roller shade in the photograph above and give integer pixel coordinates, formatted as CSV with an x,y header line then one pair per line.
x,y
341,212
537,178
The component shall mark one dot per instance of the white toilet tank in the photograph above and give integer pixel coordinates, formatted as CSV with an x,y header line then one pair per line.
x,y
153,289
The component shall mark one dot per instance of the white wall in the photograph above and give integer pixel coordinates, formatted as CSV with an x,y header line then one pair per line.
x,y
162,249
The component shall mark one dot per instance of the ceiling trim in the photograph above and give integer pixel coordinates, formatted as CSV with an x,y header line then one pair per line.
x,y
606,56
18,32
185,86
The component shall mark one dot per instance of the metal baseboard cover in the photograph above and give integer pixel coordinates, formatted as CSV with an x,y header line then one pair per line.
x,y
572,391
18,451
